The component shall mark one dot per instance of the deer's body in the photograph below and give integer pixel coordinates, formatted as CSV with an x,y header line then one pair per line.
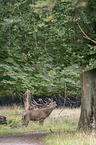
x,y
39,114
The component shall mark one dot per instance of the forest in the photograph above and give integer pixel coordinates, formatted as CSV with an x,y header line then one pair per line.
x,y
49,47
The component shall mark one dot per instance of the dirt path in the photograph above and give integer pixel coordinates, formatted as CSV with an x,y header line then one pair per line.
x,y
32,138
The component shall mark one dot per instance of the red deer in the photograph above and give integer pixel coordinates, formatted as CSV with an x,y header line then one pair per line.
x,y
39,114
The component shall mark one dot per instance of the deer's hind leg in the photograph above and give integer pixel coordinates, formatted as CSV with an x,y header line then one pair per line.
x,y
26,121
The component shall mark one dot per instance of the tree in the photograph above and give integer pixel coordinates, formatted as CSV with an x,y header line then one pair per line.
x,y
85,13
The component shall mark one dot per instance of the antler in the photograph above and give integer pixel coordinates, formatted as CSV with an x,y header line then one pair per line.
x,y
42,104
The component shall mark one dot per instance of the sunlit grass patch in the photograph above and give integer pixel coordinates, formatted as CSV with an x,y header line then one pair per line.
x,y
70,138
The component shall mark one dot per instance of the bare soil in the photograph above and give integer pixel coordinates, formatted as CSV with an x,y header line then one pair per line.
x,y
32,138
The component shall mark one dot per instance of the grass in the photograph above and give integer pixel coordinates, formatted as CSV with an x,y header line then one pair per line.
x,y
11,110
69,135
66,120
63,124
70,138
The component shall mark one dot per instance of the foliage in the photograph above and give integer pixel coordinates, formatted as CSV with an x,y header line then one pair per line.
x,y
27,63
84,34
37,43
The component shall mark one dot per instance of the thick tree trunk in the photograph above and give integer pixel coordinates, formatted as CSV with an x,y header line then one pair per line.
x,y
88,101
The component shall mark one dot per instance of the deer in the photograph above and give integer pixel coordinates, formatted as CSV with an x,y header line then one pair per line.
x,y
38,114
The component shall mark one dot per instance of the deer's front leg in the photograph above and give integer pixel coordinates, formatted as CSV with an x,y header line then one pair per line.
x,y
41,122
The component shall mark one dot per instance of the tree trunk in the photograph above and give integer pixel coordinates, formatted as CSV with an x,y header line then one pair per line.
x,y
27,100
88,101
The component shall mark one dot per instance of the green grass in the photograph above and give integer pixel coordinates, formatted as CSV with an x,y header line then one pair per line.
x,y
68,123
63,125
66,120
11,110
70,138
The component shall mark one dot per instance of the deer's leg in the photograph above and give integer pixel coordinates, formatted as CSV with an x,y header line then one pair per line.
x,y
41,122
25,123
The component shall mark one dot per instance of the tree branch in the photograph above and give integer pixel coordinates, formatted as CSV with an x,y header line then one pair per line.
x,y
85,36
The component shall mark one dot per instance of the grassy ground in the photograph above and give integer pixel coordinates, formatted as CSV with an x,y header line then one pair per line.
x,y
69,135
66,120
65,123
70,138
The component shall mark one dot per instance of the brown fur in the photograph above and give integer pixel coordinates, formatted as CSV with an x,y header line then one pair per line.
x,y
39,114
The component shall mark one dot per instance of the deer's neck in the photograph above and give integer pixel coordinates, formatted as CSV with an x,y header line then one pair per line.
x,y
48,111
